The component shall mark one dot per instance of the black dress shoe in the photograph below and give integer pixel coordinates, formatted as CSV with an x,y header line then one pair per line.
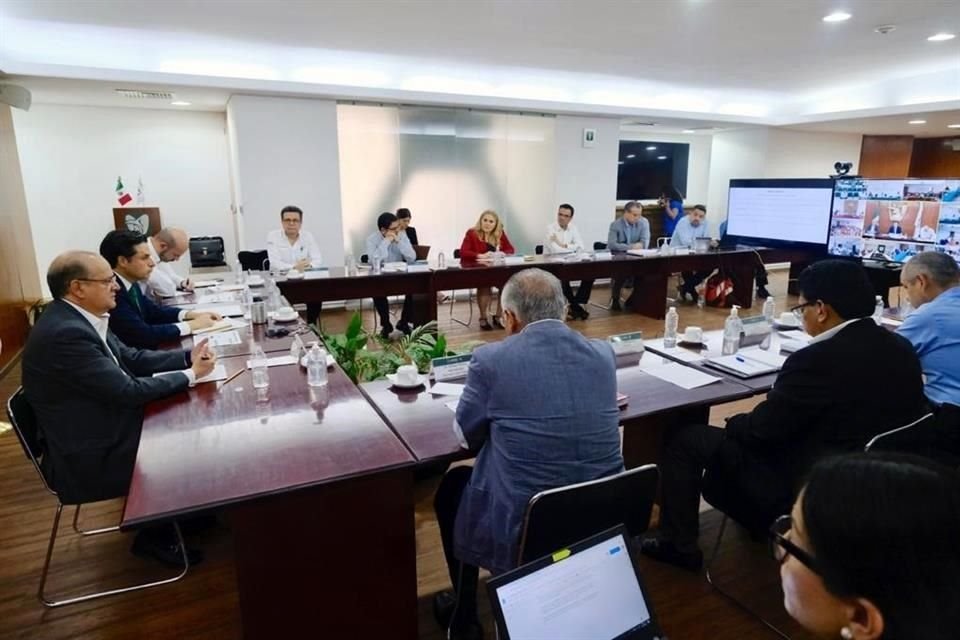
x,y
664,551
163,550
584,314
386,330
615,306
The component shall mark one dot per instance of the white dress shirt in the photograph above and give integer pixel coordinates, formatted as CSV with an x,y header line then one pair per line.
x,y
557,236
284,255
829,333
183,327
164,280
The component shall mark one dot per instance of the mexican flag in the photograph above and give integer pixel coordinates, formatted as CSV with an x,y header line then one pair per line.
x,y
122,196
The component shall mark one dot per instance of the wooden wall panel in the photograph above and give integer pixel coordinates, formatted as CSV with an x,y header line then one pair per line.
x,y
935,158
885,156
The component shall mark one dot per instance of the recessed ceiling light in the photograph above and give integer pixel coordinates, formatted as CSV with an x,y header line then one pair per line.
x,y
953,126
661,157
631,155
651,148
689,131
180,103
837,16
917,122
941,37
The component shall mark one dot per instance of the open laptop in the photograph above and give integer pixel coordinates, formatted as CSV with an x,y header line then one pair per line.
x,y
589,591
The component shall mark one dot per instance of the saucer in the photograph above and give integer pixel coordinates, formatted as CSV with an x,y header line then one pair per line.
x,y
294,275
690,343
293,317
330,361
421,380
256,282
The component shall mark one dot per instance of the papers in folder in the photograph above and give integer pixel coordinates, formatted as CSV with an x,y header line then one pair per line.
x,y
742,366
675,373
220,325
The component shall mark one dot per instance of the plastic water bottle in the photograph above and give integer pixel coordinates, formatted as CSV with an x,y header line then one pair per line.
x,y
297,348
317,367
261,377
670,328
878,310
246,301
769,310
238,272
349,266
732,329
441,261
377,263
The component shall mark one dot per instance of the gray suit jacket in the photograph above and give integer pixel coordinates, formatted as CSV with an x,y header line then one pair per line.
x,y
621,235
543,405
90,410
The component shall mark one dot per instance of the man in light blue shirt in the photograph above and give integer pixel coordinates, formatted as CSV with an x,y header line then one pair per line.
x,y
389,245
631,231
688,229
932,281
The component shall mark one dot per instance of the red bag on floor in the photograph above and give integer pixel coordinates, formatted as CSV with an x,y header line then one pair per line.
x,y
717,289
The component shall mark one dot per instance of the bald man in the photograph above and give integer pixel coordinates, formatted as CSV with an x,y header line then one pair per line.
x,y
88,389
166,247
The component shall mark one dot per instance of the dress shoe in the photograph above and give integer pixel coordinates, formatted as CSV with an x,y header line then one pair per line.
x,y
663,550
762,293
163,549
615,306
386,330
496,322
485,325
584,314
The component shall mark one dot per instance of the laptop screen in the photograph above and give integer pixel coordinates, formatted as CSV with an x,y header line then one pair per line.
x,y
593,593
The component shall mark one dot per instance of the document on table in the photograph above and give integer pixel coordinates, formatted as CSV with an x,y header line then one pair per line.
x,y
447,389
768,357
316,274
220,325
684,355
238,323
224,339
643,253
452,405
791,341
232,287
275,361
200,284
681,375
226,310
219,373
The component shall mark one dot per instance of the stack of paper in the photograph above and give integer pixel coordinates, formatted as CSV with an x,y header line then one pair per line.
x,y
221,325
642,252
224,339
743,366
678,374
446,389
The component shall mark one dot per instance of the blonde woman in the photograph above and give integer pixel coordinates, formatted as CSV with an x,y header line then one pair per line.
x,y
479,244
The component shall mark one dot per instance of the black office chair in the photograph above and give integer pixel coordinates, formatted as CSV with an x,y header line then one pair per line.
x,y
559,517
24,423
453,299
602,246
731,507
254,260
538,249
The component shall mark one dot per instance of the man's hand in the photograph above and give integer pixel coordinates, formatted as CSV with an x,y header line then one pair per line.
x,y
203,359
637,245
187,285
302,264
391,236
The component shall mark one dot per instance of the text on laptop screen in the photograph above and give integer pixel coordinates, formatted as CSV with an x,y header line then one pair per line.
x,y
592,595
794,211
894,220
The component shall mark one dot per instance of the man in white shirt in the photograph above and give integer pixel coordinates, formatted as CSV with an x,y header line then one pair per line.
x,y
563,237
293,248
166,247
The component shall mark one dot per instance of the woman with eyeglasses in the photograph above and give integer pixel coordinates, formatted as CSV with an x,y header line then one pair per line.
x,y
870,550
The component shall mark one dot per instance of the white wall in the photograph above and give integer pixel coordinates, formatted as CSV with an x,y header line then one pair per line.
x,y
71,156
284,151
768,152
587,177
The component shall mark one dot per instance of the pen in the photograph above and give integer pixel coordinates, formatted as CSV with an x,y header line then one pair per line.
x,y
739,359
232,376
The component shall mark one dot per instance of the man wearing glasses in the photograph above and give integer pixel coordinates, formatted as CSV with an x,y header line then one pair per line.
x,y
390,244
853,381
88,390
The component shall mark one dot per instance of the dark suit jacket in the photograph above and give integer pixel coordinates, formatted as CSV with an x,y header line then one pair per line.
x,y
542,405
830,397
90,410
146,327
412,236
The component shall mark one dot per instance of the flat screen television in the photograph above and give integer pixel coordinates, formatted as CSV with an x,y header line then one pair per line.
x,y
894,220
790,213
646,169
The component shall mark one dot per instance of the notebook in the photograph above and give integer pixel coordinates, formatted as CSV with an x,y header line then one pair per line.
x,y
588,591
741,365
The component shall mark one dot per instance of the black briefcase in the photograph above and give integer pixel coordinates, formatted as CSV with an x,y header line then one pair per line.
x,y
207,251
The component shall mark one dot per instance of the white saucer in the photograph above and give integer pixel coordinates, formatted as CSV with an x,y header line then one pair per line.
x,y
294,275
330,361
421,380
689,343
256,283
291,318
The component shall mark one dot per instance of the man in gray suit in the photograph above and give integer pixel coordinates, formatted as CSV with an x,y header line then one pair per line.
x,y
88,389
541,406
630,231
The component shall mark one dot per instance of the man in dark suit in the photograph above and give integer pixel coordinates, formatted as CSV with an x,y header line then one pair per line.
x,y
542,408
88,389
138,321
853,381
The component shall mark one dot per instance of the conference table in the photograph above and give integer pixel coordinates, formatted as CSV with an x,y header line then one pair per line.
x,y
650,275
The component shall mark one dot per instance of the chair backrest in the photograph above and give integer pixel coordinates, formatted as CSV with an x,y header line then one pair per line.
x,y
599,246
562,516
24,422
932,436
254,260
538,249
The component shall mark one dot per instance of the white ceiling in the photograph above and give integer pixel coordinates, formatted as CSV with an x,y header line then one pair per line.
x,y
748,61
935,127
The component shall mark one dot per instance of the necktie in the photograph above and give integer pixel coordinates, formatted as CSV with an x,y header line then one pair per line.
x,y
135,296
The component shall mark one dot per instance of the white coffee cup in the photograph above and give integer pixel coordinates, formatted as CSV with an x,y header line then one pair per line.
x,y
285,312
693,334
788,319
407,374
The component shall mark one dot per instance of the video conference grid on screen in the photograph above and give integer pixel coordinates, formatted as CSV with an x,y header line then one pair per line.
x,y
894,220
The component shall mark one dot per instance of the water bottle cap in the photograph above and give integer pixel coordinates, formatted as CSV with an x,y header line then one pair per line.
x,y
673,308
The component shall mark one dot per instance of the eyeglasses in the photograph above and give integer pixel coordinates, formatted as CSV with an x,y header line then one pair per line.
x,y
797,310
781,546
106,281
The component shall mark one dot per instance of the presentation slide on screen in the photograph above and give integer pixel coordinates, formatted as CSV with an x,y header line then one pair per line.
x,y
783,213
592,594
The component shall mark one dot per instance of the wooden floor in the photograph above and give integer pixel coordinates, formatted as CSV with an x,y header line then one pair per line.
x,y
205,604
